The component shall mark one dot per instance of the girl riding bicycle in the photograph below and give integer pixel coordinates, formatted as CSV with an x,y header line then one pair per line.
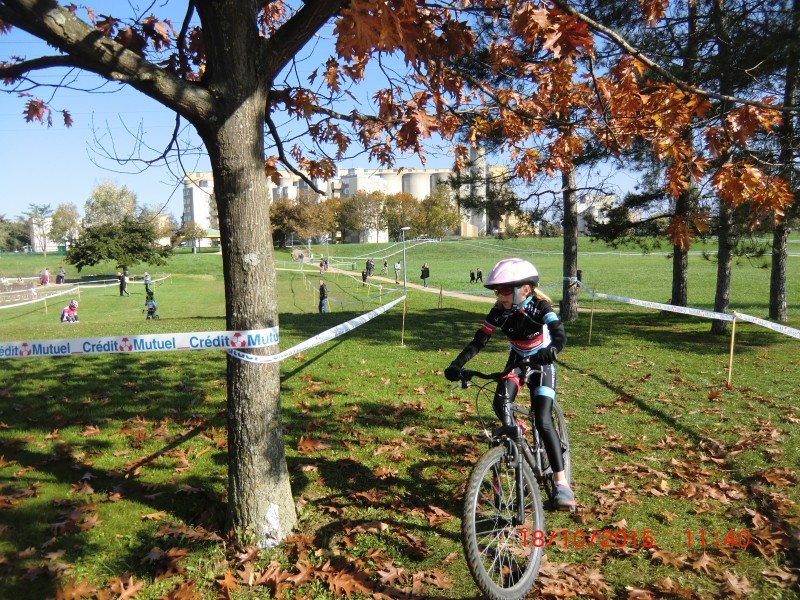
x,y
536,335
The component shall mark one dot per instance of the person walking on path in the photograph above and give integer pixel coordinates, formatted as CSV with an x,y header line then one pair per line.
x,y
471,276
323,296
397,272
364,277
426,272
479,275
123,284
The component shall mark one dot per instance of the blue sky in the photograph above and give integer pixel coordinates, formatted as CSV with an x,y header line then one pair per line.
x,y
55,165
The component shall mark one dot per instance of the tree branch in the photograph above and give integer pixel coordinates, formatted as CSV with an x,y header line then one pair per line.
x,y
617,39
92,51
282,155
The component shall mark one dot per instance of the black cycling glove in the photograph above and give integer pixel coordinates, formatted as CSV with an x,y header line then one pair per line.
x,y
453,372
545,356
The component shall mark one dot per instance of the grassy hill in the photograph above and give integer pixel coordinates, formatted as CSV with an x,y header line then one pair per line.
x,y
114,467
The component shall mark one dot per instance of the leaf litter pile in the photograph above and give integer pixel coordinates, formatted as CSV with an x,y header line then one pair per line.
x,y
107,507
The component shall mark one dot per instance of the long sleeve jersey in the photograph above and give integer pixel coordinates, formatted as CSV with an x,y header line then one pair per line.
x,y
528,329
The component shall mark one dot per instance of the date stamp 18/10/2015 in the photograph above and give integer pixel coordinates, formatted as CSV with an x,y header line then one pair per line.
x,y
622,538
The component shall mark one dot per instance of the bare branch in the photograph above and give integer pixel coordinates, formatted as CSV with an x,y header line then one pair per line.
x,y
639,55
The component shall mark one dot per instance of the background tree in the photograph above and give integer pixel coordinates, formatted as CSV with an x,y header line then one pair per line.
x,y
127,243
66,223
166,226
39,219
191,232
438,215
361,214
399,210
14,235
109,204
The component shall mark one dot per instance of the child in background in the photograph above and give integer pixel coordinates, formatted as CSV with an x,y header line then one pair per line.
x,y
70,312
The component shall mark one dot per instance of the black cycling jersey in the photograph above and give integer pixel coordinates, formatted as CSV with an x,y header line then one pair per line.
x,y
528,329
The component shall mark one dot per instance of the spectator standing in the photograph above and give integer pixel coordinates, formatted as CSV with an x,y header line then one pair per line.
x,y
61,275
479,275
323,296
385,269
364,277
397,271
123,284
147,283
45,277
426,272
471,276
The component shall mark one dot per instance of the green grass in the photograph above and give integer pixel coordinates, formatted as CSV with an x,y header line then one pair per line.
x,y
660,442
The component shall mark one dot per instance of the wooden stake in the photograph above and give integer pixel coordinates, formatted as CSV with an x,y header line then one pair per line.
x,y
733,336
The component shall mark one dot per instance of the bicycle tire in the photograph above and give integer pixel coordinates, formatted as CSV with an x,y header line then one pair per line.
x,y
560,423
502,557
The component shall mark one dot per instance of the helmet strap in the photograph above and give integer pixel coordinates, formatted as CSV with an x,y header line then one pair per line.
x,y
522,304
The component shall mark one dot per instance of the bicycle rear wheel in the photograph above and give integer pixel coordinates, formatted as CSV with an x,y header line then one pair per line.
x,y
501,553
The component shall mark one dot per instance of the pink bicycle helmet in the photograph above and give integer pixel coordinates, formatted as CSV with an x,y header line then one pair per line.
x,y
512,272
73,304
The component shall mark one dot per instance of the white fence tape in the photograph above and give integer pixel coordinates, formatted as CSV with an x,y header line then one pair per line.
x,y
790,331
709,314
41,298
325,336
198,340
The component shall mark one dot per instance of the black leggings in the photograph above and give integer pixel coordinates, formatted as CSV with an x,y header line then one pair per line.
x,y
543,391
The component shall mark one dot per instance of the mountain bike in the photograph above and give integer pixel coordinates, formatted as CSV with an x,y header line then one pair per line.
x,y
503,509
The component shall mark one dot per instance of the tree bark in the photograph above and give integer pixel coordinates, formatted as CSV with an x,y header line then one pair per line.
x,y
680,261
260,496
569,298
724,255
777,279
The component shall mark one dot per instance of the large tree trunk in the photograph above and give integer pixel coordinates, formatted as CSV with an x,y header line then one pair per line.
x,y
724,255
777,276
684,203
260,504
680,260
777,280
260,497
724,259
569,298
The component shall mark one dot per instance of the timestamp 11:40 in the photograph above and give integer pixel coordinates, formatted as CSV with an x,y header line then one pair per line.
x,y
703,538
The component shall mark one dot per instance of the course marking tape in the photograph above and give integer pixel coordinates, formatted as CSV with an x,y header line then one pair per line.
x,y
41,298
325,336
660,306
790,331
123,344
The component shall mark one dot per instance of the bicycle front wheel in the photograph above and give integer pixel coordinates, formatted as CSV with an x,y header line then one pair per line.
x,y
502,553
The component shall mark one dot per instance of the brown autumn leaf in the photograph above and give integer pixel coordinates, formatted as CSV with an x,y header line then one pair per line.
x,y
156,516
75,590
391,575
184,591
780,476
705,564
308,445
668,558
126,587
228,582
385,472
734,587
90,430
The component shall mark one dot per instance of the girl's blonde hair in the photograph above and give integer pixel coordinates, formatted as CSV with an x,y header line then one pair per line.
x,y
540,295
